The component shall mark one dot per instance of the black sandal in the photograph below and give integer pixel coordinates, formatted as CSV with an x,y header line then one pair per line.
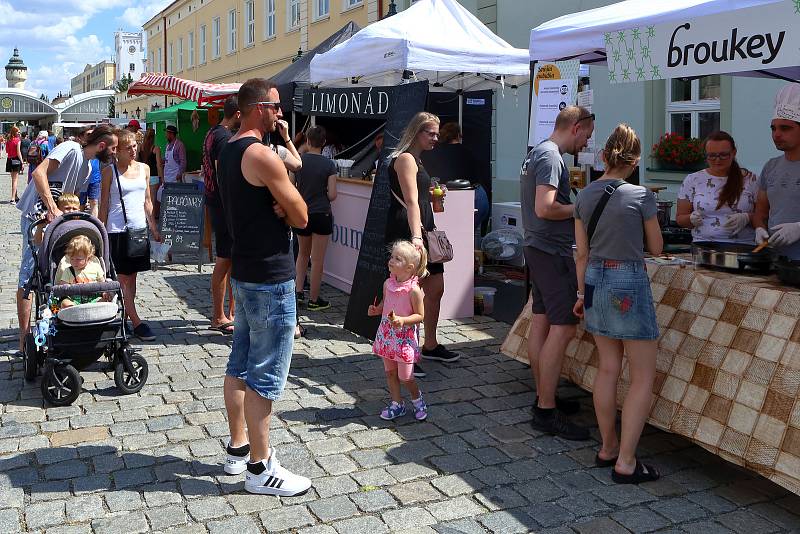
x,y
599,462
642,473
302,332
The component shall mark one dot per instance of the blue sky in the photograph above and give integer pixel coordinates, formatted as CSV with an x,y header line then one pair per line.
x,y
57,38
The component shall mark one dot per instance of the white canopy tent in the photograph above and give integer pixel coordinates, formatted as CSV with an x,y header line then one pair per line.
x,y
582,35
435,40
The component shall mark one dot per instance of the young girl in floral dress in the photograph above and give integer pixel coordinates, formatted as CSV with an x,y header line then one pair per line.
x,y
397,340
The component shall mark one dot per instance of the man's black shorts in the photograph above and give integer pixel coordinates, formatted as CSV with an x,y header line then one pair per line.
x,y
554,285
221,234
318,223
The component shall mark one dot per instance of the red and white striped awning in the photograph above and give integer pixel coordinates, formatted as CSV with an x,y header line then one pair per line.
x,y
200,92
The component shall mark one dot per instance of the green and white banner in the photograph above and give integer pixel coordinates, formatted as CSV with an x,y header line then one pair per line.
x,y
764,37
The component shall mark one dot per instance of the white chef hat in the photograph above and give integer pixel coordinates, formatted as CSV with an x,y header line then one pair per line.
x,y
787,103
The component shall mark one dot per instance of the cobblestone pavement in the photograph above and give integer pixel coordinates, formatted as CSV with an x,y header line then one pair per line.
x,y
152,461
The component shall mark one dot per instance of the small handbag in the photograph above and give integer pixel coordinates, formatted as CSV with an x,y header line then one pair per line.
x,y
439,248
15,162
137,243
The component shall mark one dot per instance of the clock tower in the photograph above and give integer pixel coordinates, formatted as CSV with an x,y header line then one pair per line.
x,y
16,71
129,52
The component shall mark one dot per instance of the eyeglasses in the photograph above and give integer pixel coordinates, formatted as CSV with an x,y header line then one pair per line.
x,y
275,105
718,155
587,117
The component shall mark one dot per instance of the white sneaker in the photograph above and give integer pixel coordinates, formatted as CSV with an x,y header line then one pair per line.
x,y
274,479
235,465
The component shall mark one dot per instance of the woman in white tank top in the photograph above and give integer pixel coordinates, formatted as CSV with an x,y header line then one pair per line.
x,y
131,178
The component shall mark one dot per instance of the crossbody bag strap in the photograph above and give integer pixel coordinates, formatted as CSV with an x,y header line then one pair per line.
x,y
400,200
121,201
601,205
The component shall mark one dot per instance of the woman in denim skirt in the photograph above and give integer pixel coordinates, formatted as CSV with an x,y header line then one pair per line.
x,y
615,298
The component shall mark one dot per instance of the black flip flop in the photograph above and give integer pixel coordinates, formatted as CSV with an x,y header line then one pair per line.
x,y
224,328
642,473
599,462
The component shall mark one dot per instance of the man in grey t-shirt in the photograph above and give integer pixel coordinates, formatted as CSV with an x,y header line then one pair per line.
x,y
547,213
779,182
67,164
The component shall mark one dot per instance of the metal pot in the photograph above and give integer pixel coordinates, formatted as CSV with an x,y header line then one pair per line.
x,y
664,213
733,256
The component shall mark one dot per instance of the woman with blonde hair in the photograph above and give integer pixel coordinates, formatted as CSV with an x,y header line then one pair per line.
x,y
126,204
410,212
612,221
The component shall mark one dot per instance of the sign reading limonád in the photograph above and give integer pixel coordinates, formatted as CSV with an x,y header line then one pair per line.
x,y
361,102
756,38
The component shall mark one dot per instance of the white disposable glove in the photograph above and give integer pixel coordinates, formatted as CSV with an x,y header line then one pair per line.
x,y
736,222
696,218
785,234
761,235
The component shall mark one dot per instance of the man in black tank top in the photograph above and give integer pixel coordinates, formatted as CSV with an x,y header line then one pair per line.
x,y
255,188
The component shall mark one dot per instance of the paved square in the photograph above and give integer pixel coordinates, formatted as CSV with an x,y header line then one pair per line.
x,y
152,461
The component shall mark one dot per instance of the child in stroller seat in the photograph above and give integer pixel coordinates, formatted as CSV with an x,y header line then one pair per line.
x,y
67,203
79,266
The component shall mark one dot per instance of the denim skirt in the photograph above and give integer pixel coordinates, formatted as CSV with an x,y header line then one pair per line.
x,y
618,302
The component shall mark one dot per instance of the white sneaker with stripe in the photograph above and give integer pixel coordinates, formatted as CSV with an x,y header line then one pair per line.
x,y
235,465
274,479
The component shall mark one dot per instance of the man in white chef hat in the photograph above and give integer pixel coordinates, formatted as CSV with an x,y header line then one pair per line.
x,y
778,204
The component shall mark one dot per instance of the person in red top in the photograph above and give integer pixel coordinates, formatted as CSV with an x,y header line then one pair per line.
x,y
13,161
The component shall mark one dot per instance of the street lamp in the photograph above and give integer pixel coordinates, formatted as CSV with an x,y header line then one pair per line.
x,y
138,112
156,106
392,9
125,114
298,56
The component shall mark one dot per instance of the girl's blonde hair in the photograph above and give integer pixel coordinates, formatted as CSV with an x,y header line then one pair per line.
x,y
66,199
416,125
125,136
413,255
78,244
622,147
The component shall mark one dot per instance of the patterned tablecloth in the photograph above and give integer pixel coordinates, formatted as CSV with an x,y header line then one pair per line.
x,y
728,366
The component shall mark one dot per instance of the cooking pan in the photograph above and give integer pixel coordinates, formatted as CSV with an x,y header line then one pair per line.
x,y
736,256
788,271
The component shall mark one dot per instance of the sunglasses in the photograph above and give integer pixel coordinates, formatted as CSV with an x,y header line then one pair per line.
x,y
587,117
275,105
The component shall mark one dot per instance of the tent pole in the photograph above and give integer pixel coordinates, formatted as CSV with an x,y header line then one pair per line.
x,y
294,119
530,99
460,109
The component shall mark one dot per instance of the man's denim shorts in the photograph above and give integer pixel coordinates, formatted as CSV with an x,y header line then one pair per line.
x,y
618,301
27,264
263,336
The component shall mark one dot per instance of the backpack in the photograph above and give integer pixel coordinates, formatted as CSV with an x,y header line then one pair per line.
x,y
34,155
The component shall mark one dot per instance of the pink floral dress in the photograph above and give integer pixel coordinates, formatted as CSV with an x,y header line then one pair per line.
x,y
400,345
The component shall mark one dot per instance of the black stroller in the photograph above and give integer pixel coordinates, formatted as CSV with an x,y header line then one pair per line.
x,y
62,342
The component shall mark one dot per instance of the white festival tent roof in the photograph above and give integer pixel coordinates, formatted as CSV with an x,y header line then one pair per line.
x,y
437,40
581,35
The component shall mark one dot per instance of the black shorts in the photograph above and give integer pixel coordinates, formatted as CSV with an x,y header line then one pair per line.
x,y
122,263
554,285
222,237
318,223
10,167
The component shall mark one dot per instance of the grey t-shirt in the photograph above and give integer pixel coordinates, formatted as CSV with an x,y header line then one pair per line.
x,y
545,166
619,234
312,181
780,178
73,172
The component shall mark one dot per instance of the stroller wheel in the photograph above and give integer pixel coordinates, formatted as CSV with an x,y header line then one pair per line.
x,y
126,381
30,358
61,385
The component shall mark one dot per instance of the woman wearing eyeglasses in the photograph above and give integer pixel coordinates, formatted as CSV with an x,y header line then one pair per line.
x,y
717,202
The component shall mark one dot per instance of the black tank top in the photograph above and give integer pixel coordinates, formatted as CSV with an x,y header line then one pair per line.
x,y
397,223
261,250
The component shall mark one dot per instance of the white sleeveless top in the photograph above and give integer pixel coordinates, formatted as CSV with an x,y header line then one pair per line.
x,y
133,190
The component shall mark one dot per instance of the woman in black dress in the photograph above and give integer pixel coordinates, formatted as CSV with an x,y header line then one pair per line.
x,y
410,182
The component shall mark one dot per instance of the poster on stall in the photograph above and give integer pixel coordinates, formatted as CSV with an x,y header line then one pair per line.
x,y
587,155
554,88
755,38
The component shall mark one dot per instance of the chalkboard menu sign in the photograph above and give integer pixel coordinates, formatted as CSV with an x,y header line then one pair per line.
x,y
181,224
371,269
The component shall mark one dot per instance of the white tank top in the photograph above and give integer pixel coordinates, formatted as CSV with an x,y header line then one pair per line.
x,y
133,190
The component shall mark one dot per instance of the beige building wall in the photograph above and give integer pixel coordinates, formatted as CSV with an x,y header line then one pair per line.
x,y
182,39
100,76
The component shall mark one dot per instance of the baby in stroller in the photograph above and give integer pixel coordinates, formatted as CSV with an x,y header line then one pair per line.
x,y
79,266
72,327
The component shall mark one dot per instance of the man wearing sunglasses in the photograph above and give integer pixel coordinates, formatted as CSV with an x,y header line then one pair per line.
x,y
779,182
547,217
252,181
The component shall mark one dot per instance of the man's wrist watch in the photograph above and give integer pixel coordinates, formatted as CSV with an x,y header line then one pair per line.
x,y
579,295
